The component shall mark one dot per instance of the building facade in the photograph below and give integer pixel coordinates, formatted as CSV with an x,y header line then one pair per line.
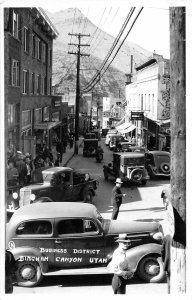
x,y
149,95
33,112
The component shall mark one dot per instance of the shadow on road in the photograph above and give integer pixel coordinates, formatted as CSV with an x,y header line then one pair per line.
x,y
83,280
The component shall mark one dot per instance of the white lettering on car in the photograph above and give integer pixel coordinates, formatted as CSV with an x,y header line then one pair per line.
x,y
97,260
42,250
86,251
33,258
69,259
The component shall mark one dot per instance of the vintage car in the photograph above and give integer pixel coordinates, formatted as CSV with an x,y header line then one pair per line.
x,y
123,146
158,164
109,133
90,135
73,238
114,140
139,149
90,147
129,166
97,133
60,184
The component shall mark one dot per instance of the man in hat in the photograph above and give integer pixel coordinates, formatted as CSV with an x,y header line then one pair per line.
x,y
116,198
119,265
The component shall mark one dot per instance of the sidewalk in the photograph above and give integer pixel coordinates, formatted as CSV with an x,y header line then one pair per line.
x,y
68,155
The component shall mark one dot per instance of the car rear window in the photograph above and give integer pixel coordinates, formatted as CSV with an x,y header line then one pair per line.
x,y
74,226
133,161
34,227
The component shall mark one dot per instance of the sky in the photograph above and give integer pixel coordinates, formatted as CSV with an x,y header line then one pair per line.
x,y
151,30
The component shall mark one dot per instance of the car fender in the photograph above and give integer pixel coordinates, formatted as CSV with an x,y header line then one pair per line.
x,y
136,254
20,252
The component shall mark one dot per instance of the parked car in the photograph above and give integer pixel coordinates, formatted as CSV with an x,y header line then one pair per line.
x,y
60,184
114,140
90,135
110,132
158,163
66,238
123,146
129,166
97,134
139,149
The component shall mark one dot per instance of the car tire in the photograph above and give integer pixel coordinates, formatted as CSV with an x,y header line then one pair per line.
x,y
28,274
87,196
143,182
165,168
136,172
150,269
90,150
106,176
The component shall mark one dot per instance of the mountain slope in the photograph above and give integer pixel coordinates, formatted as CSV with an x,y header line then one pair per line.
x,y
64,65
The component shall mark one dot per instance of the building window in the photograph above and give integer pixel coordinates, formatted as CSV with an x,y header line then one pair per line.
x,y
153,104
38,115
38,49
141,102
11,114
33,45
43,53
45,114
45,85
15,24
50,85
50,57
26,39
38,84
32,83
26,118
42,86
25,81
149,102
15,73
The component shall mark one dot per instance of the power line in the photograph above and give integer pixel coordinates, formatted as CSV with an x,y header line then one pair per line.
x,y
101,75
113,47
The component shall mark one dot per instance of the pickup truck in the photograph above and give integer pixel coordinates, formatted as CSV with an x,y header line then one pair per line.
x,y
60,184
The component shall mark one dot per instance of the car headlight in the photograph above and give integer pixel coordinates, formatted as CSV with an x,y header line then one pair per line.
x,y
157,236
32,197
15,195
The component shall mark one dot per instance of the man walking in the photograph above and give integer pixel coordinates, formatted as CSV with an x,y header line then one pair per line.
x,y
116,198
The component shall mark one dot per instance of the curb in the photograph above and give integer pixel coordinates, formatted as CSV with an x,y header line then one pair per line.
x,y
72,155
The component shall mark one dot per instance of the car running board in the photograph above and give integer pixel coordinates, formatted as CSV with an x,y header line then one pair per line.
x,y
101,270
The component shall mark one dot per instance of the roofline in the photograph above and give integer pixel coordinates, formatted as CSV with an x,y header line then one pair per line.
x,y
41,11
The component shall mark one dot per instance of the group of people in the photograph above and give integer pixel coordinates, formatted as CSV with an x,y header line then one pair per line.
x,y
20,166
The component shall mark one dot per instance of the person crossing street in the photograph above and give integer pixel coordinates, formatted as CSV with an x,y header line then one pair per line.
x,y
117,198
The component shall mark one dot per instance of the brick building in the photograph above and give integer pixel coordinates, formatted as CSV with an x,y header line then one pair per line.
x,y
150,94
34,114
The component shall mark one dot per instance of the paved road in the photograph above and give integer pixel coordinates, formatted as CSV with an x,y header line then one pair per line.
x,y
142,203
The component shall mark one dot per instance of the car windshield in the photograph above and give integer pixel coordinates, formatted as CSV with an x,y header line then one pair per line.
x,y
99,217
134,161
47,177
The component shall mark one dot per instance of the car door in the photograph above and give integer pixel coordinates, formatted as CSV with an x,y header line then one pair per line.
x,y
79,243
64,189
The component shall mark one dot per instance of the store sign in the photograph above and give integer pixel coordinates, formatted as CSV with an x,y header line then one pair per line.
x,y
137,115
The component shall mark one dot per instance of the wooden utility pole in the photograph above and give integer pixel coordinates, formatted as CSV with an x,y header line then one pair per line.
x,y
79,54
178,148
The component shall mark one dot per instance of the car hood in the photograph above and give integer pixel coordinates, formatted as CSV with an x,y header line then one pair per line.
x,y
37,186
122,226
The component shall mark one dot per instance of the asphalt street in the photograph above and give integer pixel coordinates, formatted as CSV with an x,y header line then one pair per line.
x,y
141,203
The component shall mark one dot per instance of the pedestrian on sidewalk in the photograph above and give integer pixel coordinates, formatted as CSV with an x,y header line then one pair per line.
x,y
117,198
119,265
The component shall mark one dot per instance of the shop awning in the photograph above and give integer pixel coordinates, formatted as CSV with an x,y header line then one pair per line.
x,y
123,126
46,125
129,129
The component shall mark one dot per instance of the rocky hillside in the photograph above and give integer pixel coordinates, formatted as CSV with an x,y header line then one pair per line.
x,y
64,64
